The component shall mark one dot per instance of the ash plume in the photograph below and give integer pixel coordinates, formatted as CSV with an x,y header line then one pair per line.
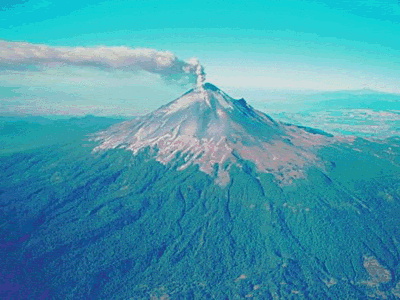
x,y
21,55
197,69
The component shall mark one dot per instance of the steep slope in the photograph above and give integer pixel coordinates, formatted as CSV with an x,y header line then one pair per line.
x,y
210,129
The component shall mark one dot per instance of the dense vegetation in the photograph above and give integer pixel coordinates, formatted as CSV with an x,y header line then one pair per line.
x,y
109,225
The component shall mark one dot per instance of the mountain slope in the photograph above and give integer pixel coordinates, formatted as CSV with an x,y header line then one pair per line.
x,y
110,224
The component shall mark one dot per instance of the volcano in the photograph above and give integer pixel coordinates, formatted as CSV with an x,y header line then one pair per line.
x,y
204,198
208,128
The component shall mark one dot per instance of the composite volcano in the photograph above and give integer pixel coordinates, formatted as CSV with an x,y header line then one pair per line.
x,y
204,198
214,131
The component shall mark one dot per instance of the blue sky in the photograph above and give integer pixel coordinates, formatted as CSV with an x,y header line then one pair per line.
x,y
263,45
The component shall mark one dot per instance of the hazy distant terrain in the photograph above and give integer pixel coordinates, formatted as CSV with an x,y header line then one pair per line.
x,y
361,113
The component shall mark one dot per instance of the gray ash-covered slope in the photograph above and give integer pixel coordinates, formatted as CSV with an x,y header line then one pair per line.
x,y
128,221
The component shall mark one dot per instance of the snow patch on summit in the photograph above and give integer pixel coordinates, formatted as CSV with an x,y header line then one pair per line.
x,y
198,95
214,131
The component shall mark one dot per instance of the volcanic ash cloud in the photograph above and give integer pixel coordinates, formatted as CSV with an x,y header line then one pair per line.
x,y
20,55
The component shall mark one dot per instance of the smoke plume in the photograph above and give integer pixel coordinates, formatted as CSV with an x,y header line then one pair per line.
x,y
21,55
